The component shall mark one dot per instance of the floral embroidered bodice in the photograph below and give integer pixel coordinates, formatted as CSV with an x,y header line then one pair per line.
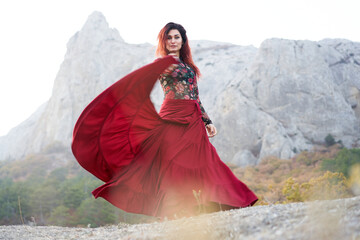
x,y
180,83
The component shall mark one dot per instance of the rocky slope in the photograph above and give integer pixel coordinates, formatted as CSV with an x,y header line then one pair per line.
x,y
277,100
335,219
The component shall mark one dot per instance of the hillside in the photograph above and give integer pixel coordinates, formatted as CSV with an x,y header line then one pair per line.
x,y
335,219
38,190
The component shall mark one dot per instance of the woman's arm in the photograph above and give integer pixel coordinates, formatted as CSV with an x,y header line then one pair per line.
x,y
204,115
210,128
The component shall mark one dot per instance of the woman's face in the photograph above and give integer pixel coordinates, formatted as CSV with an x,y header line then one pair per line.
x,y
174,42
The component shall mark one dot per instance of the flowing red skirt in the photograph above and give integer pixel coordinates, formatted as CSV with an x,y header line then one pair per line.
x,y
152,162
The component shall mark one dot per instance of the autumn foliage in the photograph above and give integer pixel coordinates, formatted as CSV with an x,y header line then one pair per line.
x,y
317,175
61,196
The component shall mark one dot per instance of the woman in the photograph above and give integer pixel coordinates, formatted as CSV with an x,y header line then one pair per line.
x,y
158,164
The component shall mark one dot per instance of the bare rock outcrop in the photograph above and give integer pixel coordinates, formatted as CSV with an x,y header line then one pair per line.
x,y
277,100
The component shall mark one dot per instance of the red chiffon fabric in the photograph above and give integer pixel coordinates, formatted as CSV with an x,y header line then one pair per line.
x,y
152,162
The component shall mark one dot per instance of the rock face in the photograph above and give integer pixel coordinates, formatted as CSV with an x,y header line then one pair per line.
x,y
335,219
293,94
277,100
96,57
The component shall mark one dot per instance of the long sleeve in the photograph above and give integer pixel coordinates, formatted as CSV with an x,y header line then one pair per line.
x,y
204,116
179,82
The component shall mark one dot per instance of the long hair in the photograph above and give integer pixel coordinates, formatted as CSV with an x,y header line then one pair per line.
x,y
185,51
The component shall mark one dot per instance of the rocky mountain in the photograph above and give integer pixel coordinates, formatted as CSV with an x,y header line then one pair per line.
x,y
291,96
279,99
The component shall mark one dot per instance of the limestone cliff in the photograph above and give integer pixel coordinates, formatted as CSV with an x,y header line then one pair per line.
x,y
277,100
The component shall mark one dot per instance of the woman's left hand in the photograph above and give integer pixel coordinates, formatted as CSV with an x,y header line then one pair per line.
x,y
211,130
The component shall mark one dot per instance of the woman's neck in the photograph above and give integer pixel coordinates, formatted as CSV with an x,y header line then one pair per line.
x,y
176,54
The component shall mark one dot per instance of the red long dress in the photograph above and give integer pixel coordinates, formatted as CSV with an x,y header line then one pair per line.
x,y
152,162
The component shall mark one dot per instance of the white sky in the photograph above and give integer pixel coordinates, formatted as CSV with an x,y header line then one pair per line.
x,y
34,33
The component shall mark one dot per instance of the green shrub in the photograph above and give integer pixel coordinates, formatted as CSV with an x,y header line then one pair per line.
x,y
291,191
329,140
342,161
326,187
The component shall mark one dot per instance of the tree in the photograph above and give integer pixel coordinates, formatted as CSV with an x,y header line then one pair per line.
x,y
342,162
73,196
96,212
10,193
60,216
43,200
329,140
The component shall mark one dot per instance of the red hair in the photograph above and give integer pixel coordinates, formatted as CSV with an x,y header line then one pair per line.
x,y
185,51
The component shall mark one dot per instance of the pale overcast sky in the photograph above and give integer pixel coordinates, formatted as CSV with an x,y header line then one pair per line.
x,y
34,33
